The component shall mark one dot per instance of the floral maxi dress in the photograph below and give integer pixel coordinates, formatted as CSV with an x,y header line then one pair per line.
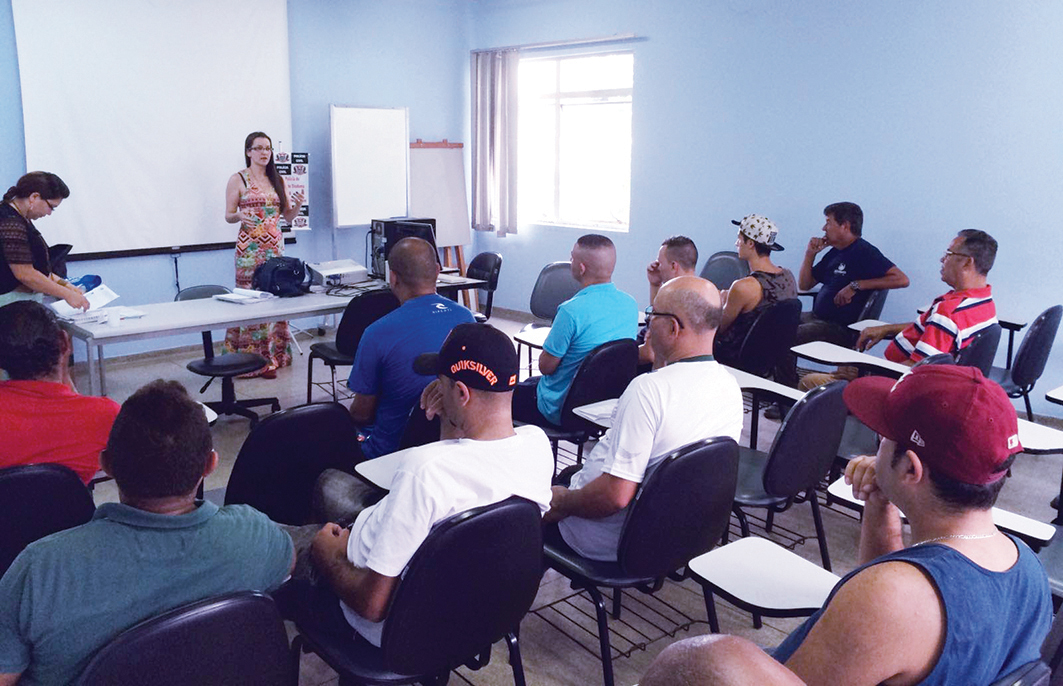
x,y
253,247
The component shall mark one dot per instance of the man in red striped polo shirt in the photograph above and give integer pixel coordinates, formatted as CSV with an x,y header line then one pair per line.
x,y
953,319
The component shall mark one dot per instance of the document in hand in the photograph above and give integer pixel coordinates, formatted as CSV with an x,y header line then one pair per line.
x,y
97,297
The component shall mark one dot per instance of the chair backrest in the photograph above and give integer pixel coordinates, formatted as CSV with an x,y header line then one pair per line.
x,y
486,266
604,373
681,509
939,358
232,639
724,268
807,442
1052,649
201,293
982,349
362,310
1034,673
875,302
37,500
469,584
1033,352
770,338
284,454
420,430
554,286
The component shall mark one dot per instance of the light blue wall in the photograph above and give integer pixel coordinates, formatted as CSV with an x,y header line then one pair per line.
x,y
932,116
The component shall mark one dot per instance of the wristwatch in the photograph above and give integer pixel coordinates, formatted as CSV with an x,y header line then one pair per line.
x,y
855,285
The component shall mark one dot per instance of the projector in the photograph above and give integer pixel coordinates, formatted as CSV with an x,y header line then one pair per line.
x,y
337,273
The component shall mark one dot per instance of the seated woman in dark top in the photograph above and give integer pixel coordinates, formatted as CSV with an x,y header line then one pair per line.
x,y
766,285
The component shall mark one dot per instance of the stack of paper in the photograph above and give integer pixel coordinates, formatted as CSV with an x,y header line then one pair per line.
x,y
97,297
244,296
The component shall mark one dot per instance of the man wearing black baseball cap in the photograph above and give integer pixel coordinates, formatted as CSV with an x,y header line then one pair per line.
x,y
963,603
480,459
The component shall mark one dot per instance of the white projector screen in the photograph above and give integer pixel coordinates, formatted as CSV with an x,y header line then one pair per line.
x,y
142,108
370,163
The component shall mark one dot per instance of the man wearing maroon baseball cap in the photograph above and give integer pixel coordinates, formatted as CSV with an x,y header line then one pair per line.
x,y
964,603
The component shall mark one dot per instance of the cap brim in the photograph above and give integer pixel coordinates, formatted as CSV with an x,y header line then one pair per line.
x,y
736,222
776,247
866,399
427,364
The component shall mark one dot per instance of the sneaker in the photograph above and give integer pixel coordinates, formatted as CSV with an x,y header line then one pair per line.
x,y
773,411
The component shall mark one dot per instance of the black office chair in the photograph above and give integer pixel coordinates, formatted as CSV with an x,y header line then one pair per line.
x,y
57,255
604,373
800,456
225,366
486,267
37,500
237,638
724,268
680,511
873,307
1034,673
282,457
468,586
363,310
769,339
982,350
420,430
554,286
1052,648
1031,358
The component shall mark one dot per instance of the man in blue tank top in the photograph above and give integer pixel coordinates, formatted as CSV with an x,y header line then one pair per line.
x,y
963,603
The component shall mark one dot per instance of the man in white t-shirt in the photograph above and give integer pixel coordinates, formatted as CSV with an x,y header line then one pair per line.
x,y
480,459
689,399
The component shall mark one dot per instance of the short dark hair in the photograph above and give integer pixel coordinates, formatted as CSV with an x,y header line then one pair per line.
x,y
160,442
30,340
847,212
957,495
980,246
682,250
763,249
594,241
47,184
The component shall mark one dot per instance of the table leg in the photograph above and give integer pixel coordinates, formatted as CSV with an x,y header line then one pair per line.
x,y
103,375
754,420
1011,342
90,355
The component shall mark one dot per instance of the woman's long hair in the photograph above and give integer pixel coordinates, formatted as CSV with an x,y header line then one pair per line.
x,y
50,187
271,169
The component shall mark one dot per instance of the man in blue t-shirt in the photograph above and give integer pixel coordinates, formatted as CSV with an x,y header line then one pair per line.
x,y
597,314
67,595
962,603
384,383
850,270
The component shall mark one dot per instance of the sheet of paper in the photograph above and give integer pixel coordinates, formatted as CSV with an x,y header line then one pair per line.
x,y
97,297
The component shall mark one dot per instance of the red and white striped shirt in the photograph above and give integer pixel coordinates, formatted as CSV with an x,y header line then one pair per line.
x,y
947,326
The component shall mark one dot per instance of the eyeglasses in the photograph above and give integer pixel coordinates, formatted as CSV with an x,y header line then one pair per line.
x,y
51,207
953,253
650,312
262,148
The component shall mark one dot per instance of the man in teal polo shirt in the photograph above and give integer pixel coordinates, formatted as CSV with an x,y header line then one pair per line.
x,y
67,595
597,314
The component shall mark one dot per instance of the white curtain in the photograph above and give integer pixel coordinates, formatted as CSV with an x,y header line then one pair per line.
x,y
494,141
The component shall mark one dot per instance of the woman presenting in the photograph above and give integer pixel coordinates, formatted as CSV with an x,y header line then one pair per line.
x,y
25,269
255,198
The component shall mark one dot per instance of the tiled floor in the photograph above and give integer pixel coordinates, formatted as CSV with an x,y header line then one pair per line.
x,y
558,643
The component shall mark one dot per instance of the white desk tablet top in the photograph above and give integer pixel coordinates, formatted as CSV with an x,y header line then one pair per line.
x,y
866,323
533,337
1038,439
829,353
1008,521
381,470
765,574
1055,395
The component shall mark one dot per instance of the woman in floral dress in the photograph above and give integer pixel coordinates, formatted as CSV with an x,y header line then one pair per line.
x,y
255,198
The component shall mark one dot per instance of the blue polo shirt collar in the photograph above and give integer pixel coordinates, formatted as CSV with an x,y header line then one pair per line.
x,y
131,516
595,287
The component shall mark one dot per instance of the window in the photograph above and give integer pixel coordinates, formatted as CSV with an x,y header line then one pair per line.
x,y
574,140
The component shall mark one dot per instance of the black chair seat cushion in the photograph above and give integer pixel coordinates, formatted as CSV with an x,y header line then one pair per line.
x,y
331,355
230,364
1003,377
750,491
598,572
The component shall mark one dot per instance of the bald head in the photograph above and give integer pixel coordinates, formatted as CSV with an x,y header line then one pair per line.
x,y
593,259
413,260
695,300
716,660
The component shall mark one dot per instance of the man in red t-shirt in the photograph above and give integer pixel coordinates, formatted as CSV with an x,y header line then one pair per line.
x,y
42,416
953,319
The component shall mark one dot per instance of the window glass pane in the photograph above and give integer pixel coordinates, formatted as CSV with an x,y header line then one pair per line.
x,y
595,163
537,154
599,72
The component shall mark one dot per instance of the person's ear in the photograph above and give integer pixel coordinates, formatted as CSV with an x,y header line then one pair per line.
x,y
105,463
65,344
464,395
912,469
212,464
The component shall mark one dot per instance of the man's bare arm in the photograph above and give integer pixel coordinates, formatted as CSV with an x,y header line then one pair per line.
x,y
548,364
600,498
873,334
363,590
894,278
9,679
363,409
